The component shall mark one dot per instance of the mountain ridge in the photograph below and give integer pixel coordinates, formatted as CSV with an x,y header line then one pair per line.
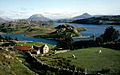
x,y
83,16
114,20
38,17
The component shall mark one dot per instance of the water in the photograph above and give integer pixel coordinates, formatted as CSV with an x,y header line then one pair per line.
x,y
21,37
92,28
97,29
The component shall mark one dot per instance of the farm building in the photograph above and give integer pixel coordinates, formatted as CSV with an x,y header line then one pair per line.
x,y
33,49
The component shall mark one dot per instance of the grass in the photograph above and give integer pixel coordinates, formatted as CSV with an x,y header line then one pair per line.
x,y
10,64
32,30
90,59
1,33
31,64
39,30
17,63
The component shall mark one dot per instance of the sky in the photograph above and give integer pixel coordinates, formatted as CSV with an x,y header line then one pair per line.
x,y
55,9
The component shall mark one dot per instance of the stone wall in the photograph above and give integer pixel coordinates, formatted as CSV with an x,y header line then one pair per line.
x,y
57,70
60,51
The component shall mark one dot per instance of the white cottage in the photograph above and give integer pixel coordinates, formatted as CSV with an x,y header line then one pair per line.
x,y
44,49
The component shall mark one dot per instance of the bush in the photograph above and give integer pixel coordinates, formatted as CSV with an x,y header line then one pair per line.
x,y
99,40
110,35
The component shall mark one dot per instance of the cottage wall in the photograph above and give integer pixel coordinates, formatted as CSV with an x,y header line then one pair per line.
x,y
45,49
38,52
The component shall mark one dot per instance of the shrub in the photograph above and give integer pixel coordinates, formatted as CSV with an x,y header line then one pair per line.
x,y
110,35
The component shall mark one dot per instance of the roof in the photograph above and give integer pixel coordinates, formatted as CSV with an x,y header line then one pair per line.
x,y
33,51
22,48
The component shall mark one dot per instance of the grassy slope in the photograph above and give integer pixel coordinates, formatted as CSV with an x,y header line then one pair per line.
x,y
91,60
1,33
33,30
12,65
40,30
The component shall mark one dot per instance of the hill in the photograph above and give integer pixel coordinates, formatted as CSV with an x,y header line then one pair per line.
x,y
26,26
90,60
16,63
83,16
5,19
38,17
11,63
100,20
2,20
64,20
62,30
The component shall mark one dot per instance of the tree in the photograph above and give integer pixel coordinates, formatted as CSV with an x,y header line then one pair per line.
x,y
65,33
12,43
93,36
110,34
16,39
66,42
99,40
1,38
8,38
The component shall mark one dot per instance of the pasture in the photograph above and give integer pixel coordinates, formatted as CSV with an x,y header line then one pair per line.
x,y
90,59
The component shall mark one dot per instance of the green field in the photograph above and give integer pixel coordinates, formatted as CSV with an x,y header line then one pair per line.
x,y
11,63
90,59
14,63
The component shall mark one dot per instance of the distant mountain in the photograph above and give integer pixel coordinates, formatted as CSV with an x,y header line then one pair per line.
x,y
38,17
83,16
5,19
64,20
2,20
115,20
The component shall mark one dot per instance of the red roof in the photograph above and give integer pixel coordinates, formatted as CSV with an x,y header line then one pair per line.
x,y
22,48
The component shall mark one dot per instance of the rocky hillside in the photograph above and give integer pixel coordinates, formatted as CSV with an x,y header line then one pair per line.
x,y
12,63
22,25
61,31
2,20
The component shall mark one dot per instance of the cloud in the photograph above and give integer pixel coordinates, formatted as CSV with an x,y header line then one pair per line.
x,y
57,13
50,13
18,14
2,13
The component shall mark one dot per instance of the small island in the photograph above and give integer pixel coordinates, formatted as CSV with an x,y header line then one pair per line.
x,y
62,30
